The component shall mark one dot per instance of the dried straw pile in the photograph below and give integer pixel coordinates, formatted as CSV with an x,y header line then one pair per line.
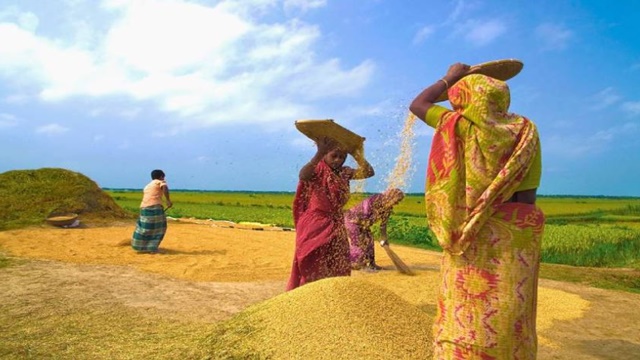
x,y
27,197
335,318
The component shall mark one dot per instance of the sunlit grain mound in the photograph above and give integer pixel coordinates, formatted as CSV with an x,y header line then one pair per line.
x,y
27,197
335,318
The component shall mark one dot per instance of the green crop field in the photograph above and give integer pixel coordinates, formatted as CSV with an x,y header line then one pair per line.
x,y
594,232
268,208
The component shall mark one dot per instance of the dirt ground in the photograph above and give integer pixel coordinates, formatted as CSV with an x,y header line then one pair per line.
x,y
209,273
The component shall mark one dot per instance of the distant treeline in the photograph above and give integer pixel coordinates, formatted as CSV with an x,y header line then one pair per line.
x,y
366,193
205,191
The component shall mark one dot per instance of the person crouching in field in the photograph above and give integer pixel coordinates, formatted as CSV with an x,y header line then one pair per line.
x,y
152,222
359,220
322,247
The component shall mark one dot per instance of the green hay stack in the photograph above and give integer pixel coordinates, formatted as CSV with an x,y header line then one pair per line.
x,y
334,318
27,197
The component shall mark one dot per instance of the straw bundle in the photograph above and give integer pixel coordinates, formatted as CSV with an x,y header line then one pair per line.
x,y
400,265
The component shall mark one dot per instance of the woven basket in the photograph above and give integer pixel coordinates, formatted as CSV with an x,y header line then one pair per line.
x,y
315,129
498,69
62,219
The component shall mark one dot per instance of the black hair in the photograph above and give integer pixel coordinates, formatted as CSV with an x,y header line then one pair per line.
x,y
157,174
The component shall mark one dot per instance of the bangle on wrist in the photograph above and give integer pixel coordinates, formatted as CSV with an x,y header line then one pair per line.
x,y
446,83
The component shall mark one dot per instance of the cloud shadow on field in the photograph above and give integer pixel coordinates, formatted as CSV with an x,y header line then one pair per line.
x,y
428,308
611,349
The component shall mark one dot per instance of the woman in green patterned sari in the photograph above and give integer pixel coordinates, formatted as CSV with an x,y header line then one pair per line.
x,y
483,171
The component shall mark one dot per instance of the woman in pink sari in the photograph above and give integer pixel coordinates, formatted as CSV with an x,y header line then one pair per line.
x,y
359,221
322,246
484,168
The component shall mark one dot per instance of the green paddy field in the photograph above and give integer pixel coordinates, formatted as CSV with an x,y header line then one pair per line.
x,y
602,232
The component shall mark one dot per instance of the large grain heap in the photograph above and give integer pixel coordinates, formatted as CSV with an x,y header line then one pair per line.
x,y
27,197
334,318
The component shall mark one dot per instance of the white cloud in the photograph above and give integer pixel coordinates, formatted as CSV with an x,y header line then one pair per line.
x,y
318,84
461,7
16,99
553,36
171,36
28,21
302,142
632,107
423,34
576,146
131,113
207,64
374,110
481,33
570,146
7,120
604,99
51,129
303,5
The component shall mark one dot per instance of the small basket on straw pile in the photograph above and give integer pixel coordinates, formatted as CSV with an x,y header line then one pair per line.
x,y
62,220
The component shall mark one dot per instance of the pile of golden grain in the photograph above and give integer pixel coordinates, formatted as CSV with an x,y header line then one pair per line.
x,y
345,317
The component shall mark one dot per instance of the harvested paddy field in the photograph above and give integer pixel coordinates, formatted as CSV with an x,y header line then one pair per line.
x,y
219,293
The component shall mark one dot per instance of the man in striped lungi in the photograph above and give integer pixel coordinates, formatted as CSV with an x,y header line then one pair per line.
x,y
152,222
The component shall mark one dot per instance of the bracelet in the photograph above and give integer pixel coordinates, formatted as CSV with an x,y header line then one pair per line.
x,y
446,83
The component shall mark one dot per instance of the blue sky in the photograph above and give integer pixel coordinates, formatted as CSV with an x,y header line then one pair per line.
x,y
209,90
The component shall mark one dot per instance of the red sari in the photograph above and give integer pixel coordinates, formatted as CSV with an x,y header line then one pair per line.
x,y
322,246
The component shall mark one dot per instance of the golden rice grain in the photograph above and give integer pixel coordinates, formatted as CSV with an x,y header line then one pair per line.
x,y
400,173
334,318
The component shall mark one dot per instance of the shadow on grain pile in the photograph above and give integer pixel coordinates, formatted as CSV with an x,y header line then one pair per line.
x,y
343,317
